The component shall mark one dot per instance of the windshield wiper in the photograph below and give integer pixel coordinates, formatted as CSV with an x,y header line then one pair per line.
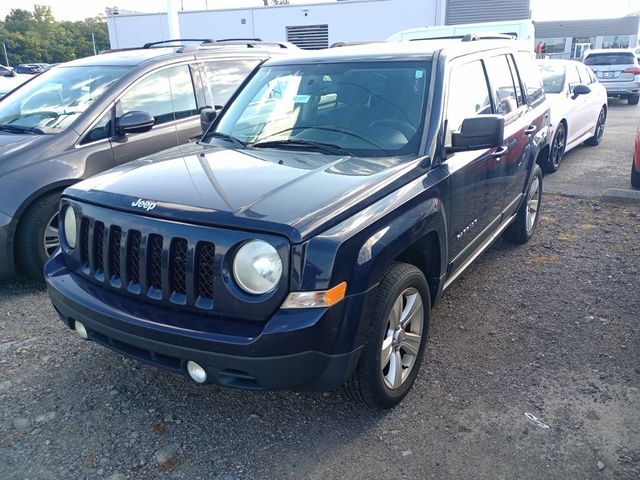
x,y
228,138
7,127
309,144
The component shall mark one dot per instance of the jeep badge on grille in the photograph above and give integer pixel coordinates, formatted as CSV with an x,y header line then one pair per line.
x,y
145,204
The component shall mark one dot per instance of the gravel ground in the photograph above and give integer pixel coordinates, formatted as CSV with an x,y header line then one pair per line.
x,y
549,329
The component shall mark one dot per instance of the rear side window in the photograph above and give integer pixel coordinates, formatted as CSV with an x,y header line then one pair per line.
x,y
167,95
622,58
225,76
468,95
531,77
502,84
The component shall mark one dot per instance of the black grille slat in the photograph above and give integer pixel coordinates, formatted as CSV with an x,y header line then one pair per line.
x,y
204,262
114,251
133,256
84,241
154,262
178,265
98,247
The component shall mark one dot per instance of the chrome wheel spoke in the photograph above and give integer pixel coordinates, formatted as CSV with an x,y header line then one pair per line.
x,y
51,239
394,377
387,351
411,343
396,312
412,309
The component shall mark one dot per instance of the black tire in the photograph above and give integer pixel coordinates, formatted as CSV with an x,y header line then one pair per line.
x,y
633,99
557,149
520,230
635,174
597,136
368,385
30,249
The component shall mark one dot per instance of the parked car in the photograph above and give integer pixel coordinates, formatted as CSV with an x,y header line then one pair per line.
x,y
9,80
30,68
618,70
635,164
578,107
86,116
303,241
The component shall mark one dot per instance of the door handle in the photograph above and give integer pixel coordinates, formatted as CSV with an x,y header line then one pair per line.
x,y
530,129
500,152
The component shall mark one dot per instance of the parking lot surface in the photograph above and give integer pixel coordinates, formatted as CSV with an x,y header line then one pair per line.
x,y
532,372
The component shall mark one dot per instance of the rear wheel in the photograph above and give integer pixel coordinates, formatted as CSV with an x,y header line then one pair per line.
x,y
597,136
37,236
635,174
396,341
557,149
522,228
633,99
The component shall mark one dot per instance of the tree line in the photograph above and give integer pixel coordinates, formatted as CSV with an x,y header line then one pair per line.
x,y
37,37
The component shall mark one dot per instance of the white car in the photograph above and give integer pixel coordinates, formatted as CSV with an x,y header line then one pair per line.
x,y
9,79
578,107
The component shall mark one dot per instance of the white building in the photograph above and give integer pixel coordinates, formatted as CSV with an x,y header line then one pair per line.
x,y
315,25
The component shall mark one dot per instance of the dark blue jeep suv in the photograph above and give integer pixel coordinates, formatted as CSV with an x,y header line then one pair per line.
x,y
304,240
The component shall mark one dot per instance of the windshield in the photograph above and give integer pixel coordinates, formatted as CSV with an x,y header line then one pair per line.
x,y
610,59
363,109
553,78
53,100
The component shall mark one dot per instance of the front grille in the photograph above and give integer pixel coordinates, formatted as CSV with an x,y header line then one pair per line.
x,y
135,261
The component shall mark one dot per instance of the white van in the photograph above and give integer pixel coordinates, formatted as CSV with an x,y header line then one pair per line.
x,y
520,29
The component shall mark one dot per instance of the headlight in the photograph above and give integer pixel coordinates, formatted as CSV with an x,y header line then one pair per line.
x,y
257,267
70,227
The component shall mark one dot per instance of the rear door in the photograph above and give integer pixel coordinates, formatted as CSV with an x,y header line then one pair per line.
x,y
477,191
595,100
168,95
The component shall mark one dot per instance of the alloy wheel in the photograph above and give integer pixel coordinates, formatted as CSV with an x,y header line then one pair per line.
x,y
51,239
403,337
600,127
559,144
533,201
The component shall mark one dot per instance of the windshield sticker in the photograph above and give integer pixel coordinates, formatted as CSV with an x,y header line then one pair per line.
x,y
419,73
301,98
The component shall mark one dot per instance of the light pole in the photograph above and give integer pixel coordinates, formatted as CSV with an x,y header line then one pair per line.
x,y
6,57
93,41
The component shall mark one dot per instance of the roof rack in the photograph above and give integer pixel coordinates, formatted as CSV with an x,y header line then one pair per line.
x,y
469,37
253,43
174,40
239,39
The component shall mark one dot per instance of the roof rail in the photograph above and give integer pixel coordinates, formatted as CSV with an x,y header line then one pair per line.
x,y
469,37
239,39
253,43
174,40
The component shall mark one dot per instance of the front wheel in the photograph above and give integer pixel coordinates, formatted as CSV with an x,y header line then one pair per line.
x,y
396,341
597,136
633,99
37,237
557,149
522,228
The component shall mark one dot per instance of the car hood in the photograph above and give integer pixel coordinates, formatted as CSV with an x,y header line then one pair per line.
x,y
288,192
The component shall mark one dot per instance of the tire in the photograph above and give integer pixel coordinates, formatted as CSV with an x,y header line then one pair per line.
x,y
557,149
30,250
374,383
597,136
633,99
635,174
524,225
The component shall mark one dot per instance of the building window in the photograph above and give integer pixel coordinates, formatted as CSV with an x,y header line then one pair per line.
x,y
553,45
615,41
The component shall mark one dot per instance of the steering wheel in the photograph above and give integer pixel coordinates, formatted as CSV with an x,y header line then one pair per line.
x,y
402,126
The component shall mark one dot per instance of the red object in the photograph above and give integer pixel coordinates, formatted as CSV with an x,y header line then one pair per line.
x,y
637,155
635,166
634,70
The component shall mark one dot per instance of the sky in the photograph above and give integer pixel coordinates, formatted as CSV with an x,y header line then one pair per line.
x,y
541,9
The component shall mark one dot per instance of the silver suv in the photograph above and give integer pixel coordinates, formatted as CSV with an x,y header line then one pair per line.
x,y
618,70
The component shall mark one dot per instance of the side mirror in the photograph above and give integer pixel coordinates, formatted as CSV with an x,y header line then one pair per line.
x,y
481,131
134,122
8,73
207,116
580,90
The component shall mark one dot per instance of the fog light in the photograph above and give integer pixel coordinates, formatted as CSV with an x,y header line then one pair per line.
x,y
196,372
81,330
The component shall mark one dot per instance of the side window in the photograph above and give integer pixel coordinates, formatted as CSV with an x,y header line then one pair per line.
x,y
100,130
224,77
504,89
516,80
585,75
531,78
166,95
573,78
468,95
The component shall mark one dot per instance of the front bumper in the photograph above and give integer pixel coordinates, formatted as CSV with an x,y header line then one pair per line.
x,y
295,349
7,234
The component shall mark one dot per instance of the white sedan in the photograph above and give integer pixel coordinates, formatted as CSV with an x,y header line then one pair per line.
x,y
578,107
